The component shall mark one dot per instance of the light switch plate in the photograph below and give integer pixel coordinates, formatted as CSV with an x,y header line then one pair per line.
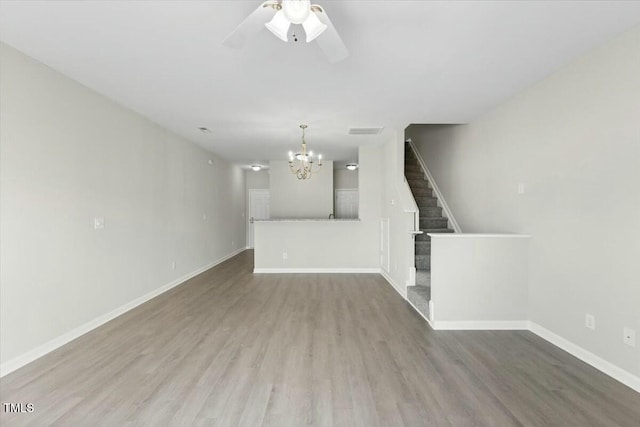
x,y
98,223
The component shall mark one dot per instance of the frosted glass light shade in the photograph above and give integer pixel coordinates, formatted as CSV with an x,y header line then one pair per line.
x,y
296,11
313,27
279,25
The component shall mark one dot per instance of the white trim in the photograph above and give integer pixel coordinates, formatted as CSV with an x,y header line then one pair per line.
x,y
395,286
481,325
477,235
615,372
420,313
445,207
316,270
249,229
36,353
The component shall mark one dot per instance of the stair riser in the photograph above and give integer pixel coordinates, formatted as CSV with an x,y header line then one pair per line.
x,y
412,168
418,302
423,278
421,192
418,183
423,262
423,249
414,175
434,223
430,211
424,202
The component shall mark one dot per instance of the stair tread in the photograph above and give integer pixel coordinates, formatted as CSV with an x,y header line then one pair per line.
x,y
420,290
419,297
423,278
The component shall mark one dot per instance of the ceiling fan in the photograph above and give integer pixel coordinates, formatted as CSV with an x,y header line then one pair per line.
x,y
278,15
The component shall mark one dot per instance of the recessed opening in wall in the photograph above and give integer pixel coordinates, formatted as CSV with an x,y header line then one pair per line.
x,y
345,189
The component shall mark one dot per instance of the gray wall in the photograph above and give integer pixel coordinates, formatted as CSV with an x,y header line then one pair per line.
x,y
256,180
343,178
295,198
573,140
69,155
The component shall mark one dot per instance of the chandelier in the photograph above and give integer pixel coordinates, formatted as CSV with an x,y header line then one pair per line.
x,y
303,167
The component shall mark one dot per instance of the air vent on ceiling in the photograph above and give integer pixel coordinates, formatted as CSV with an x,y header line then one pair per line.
x,y
365,131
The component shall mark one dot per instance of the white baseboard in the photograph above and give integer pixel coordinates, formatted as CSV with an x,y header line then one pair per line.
x,y
615,372
420,313
403,293
481,325
315,270
31,355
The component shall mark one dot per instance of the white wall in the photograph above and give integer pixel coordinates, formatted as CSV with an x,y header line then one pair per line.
x,y
296,198
323,245
331,244
399,208
344,178
256,179
479,281
573,140
69,155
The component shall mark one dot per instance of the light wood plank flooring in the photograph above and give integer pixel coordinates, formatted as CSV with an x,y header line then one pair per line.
x,y
232,348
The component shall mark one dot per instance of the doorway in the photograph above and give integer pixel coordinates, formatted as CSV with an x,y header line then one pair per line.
x,y
259,200
346,203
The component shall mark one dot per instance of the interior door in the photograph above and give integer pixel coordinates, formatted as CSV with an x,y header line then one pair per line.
x,y
346,203
258,209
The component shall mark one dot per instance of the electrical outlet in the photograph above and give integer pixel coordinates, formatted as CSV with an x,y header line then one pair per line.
x,y
173,265
98,223
629,337
204,217
589,321
284,255
233,244
521,188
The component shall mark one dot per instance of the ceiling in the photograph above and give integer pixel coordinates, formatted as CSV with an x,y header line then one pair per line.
x,y
410,62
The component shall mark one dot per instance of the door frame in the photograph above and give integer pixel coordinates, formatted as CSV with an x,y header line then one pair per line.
x,y
250,192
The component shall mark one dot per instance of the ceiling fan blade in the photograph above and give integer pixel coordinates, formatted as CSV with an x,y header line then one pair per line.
x,y
251,25
329,41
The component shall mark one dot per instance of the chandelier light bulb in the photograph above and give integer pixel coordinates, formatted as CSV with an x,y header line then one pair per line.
x,y
304,168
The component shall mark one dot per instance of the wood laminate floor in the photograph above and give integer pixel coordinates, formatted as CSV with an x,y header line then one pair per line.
x,y
232,348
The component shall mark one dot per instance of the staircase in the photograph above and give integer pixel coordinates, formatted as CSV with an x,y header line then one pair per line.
x,y
431,221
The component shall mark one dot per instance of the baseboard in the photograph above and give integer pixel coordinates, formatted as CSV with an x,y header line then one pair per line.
x,y
420,313
315,270
395,286
403,294
41,350
481,325
586,356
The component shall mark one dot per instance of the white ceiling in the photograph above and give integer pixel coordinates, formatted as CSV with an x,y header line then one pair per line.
x,y
410,62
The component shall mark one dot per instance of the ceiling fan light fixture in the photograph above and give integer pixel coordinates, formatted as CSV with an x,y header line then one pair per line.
x,y
296,11
352,166
279,25
313,27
